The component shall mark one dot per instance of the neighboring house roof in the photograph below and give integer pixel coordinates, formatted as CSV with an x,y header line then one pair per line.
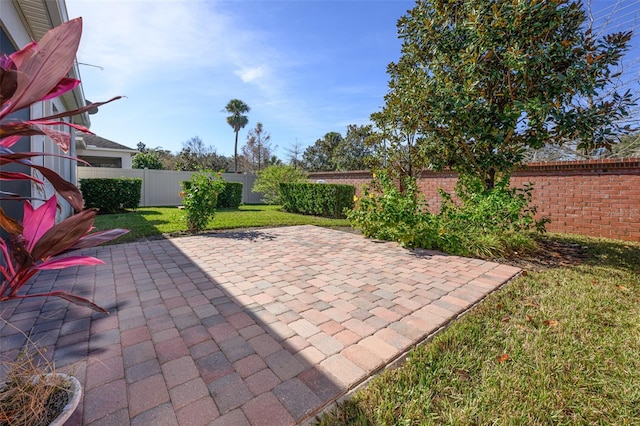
x,y
95,141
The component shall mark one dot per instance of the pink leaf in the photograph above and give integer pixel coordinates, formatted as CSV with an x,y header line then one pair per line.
x,y
66,189
18,176
80,110
98,238
62,87
67,262
19,128
37,222
81,301
46,121
10,225
41,66
8,80
62,139
64,235
9,141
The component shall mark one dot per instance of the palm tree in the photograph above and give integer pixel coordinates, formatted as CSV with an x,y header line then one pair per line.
x,y
237,121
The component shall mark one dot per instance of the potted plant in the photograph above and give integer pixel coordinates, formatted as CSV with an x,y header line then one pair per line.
x,y
33,74
33,393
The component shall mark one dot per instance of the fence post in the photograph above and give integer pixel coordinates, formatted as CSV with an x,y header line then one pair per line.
x,y
145,188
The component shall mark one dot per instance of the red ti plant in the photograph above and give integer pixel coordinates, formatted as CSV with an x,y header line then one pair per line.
x,y
36,73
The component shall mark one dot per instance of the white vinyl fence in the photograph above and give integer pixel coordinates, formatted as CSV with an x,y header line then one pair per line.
x,y
161,187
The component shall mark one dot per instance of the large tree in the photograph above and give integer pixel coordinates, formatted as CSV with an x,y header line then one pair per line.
x,y
294,154
355,151
481,81
195,155
334,152
237,121
269,179
146,159
258,150
321,155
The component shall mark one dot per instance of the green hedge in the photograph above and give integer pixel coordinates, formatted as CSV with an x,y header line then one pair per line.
x,y
229,198
328,200
111,195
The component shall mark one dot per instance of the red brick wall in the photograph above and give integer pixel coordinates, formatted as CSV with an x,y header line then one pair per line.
x,y
597,197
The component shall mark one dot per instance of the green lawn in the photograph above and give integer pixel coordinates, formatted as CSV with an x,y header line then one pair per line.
x,y
555,346
153,221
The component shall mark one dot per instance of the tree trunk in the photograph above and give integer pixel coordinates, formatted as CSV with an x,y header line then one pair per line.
x,y
235,155
490,179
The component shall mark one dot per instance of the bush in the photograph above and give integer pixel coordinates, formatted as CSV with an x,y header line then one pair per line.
x,y
111,195
484,223
328,200
201,198
231,196
387,213
269,180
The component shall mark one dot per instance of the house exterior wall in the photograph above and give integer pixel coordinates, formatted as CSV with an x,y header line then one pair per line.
x,y
599,198
124,157
16,35
12,24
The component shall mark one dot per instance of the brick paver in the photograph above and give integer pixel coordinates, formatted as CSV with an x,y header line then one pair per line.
x,y
261,327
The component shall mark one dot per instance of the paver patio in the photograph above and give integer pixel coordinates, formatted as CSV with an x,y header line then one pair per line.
x,y
261,327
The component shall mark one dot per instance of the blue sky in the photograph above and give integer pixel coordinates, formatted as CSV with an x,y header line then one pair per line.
x,y
304,67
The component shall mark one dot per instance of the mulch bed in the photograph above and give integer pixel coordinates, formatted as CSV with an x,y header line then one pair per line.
x,y
550,254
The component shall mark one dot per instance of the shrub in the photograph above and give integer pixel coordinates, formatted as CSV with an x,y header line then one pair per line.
x,y
269,180
231,196
483,223
328,200
387,213
111,195
201,198
486,223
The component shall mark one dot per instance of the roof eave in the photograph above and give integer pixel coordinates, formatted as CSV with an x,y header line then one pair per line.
x,y
39,16
95,148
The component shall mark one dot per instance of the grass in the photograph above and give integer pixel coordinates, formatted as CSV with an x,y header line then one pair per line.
x,y
154,221
555,346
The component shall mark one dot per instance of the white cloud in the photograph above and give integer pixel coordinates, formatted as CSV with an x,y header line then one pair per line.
x,y
136,41
249,75
139,42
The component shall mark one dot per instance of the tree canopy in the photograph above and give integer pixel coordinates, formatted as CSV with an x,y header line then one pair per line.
x,y
258,150
146,159
480,81
321,155
195,155
334,152
237,121
269,180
